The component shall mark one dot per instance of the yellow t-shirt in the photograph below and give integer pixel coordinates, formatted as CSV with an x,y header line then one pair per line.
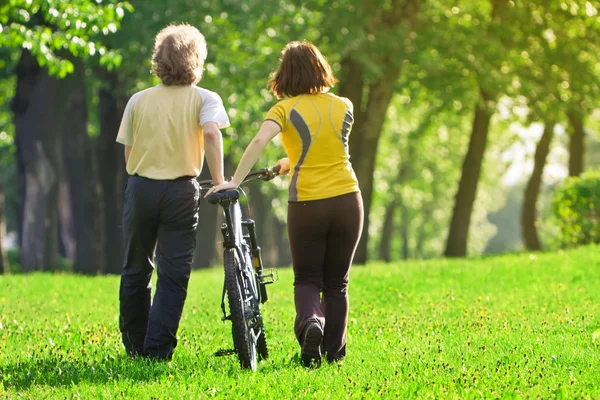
x,y
163,126
315,131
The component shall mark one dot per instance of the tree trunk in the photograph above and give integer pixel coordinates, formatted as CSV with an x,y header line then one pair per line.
x,y
283,245
363,147
369,116
405,231
80,179
3,261
209,246
576,144
38,117
385,245
20,172
270,230
206,235
456,244
260,212
528,212
352,84
66,236
426,214
111,172
405,172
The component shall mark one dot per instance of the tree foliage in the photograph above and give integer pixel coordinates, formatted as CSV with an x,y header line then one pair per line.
x,y
51,28
422,75
576,209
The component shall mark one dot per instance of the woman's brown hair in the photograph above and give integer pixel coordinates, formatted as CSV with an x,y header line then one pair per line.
x,y
179,55
302,70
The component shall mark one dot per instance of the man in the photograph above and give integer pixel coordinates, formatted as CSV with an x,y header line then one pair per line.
x,y
166,131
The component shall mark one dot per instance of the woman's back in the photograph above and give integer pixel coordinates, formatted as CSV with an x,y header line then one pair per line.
x,y
315,129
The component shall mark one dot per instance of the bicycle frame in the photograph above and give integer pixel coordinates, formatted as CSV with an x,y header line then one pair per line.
x,y
244,283
233,238
232,227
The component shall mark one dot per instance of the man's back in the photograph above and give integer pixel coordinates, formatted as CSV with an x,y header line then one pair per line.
x,y
163,125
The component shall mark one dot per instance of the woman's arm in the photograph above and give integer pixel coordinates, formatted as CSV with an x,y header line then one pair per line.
x,y
267,132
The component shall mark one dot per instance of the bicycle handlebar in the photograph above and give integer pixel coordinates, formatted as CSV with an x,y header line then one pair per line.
x,y
264,174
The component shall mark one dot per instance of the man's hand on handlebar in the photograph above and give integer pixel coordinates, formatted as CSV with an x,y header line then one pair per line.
x,y
221,187
284,165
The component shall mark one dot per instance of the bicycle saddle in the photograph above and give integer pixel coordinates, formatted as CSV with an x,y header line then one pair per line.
x,y
224,195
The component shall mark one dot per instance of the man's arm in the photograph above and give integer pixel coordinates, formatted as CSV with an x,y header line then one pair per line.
x,y
267,132
213,146
127,153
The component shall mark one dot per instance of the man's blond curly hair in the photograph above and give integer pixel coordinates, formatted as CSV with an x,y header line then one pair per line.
x,y
179,55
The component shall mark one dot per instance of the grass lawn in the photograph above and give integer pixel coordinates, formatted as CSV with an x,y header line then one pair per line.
x,y
516,326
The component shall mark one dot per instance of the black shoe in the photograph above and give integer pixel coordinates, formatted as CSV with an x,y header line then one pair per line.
x,y
338,361
311,345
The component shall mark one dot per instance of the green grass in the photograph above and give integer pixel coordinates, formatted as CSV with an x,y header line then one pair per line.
x,y
516,326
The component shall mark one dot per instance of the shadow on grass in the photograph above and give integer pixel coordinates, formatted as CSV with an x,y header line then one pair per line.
x,y
57,371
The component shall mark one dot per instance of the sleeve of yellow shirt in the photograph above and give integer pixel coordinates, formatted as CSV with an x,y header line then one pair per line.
x,y
278,115
125,135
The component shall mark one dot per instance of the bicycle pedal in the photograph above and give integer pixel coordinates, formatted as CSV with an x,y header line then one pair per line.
x,y
270,277
225,352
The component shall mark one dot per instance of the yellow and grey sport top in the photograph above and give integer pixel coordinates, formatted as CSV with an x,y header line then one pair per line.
x,y
315,131
163,126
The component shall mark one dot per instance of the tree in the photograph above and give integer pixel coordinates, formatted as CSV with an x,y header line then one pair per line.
x,y
80,177
37,119
405,172
529,210
576,142
424,134
484,61
47,31
576,66
502,48
561,82
3,261
371,93
6,147
111,169
456,245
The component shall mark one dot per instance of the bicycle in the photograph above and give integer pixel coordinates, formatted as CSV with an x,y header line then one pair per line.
x,y
245,278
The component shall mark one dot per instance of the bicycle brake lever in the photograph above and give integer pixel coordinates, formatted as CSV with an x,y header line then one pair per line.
x,y
267,177
271,173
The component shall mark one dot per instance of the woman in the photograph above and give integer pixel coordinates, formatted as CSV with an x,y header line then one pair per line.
x,y
325,211
166,130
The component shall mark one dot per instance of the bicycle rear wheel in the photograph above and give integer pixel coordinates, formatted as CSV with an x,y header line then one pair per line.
x,y
240,299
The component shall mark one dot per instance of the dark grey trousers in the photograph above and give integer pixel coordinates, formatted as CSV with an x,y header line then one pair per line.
x,y
159,216
323,238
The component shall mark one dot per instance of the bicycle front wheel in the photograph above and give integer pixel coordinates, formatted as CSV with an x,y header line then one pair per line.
x,y
261,345
240,300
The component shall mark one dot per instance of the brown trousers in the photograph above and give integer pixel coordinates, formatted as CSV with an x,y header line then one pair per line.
x,y
323,237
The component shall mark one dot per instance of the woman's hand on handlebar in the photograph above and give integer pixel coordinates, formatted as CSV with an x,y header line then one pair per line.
x,y
221,187
284,165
